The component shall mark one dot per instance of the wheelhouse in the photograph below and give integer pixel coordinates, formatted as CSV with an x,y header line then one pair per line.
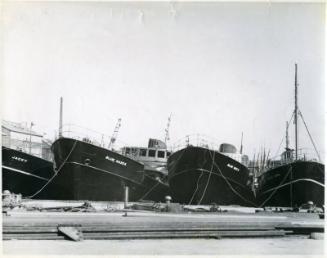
x,y
146,153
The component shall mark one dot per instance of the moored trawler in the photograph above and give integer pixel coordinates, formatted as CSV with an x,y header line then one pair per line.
x,y
26,159
85,171
199,174
292,184
154,157
295,179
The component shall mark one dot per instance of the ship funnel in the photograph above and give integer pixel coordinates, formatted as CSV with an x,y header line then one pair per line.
x,y
227,148
155,143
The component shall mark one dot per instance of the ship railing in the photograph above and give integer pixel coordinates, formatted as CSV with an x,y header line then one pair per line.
x,y
33,148
90,136
304,154
307,154
85,134
198,140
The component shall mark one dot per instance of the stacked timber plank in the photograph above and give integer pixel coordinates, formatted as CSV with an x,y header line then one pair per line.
x,y
38,226
121,231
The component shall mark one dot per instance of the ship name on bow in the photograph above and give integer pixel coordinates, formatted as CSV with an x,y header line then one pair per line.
x,y
113,160
233,167
19,159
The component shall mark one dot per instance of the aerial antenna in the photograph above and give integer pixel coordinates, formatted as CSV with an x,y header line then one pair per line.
x,y
241,148
167,138
60,117
114,134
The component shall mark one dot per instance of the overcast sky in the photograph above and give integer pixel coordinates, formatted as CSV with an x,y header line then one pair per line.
x,y
220,68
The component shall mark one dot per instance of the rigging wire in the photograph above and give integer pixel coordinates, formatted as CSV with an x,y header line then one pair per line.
x,y
306,127
284,135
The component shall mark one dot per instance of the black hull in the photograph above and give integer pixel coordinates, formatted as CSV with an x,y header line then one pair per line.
x,y
292,185
89,172
23,173
202,176
153,189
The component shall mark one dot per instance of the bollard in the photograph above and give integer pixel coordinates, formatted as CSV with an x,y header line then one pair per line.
x,y
126,200
168,199
317,236
126,197
6,198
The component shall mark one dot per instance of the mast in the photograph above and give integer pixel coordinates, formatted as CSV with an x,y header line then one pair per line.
x,y
287,140
288,153
60,118
295,114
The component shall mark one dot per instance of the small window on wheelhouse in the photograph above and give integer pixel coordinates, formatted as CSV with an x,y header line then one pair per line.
x,y
127,150
161,154
143,152
134,151
152,153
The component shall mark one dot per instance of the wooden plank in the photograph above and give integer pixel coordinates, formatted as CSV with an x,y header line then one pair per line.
x,y
136,228
73,233
29,237
148,224
185,235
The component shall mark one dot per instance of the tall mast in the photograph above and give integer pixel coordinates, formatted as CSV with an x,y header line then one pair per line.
x,y
295,114
287,140
60,118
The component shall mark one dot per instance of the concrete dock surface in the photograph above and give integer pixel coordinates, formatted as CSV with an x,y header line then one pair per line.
x,y
288,245
263,246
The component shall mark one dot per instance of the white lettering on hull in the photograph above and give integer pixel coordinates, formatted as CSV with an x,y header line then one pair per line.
x,y
19,159
113,160
233,167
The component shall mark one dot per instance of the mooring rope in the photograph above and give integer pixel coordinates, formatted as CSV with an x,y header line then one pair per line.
x,y
294,181
196,189
291,183
210,173
176,161
205,189
282,182
152,188
56,172
197,183
231,187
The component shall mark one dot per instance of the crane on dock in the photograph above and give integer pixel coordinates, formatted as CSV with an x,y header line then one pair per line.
x,y
114,134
